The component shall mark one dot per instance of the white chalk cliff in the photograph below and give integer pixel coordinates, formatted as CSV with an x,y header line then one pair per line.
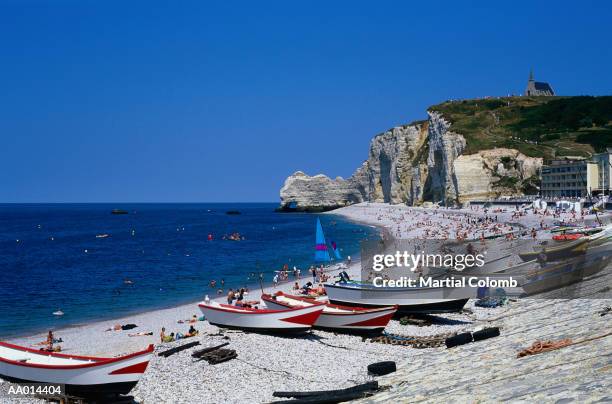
x,y
412,164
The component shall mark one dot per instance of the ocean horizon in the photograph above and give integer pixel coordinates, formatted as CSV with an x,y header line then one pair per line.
x,y
156,256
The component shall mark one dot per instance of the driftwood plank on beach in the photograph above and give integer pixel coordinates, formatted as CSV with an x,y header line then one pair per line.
x,y
369,386
174,350
329,398
200,352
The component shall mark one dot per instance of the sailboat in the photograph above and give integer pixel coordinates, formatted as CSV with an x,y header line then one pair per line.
x,y
321,250
337,254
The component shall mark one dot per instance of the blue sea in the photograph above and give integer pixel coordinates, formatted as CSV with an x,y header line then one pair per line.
x,y
51,259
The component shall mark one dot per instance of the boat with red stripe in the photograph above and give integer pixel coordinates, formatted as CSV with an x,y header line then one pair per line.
x,y
337,318
83,376
294,320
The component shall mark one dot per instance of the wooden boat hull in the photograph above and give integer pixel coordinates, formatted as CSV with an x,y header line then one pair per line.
x,y
408,300
564,274
296,320
563,251
337,318
82,376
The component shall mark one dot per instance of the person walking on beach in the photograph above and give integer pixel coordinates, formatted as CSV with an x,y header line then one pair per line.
x,y
313,271
275,280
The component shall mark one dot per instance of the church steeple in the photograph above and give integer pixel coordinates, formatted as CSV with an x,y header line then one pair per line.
x,y
531,75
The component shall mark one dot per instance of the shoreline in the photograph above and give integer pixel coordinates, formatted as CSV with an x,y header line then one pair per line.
x,y
348,213
269,363
179,304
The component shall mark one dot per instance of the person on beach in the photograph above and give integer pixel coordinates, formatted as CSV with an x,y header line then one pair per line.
x,y
191,333
230,296
321,290
296,287
162,335
275,280
50,341
348,260
240,297
307,288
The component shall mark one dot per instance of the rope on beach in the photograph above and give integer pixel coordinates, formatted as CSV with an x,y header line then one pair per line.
x,y
431,341
546,346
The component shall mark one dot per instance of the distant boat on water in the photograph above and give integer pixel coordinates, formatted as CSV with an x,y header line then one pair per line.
x,y
119,212
232,212
104,235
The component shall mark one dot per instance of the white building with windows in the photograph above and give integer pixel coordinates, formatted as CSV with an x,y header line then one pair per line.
x,y
569,178
604,168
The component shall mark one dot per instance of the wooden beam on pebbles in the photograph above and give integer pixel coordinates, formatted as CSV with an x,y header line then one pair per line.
x,y
328,396
180,348
201,352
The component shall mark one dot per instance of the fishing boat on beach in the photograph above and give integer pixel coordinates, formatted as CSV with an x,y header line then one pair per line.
x,y
409,300
295,320
565,273
562,250
337,318
83,376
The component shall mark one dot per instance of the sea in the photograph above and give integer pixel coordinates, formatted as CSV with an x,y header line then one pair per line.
x,y
55,257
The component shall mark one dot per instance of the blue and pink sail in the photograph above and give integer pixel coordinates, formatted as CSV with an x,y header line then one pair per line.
x,y
321,252
321,248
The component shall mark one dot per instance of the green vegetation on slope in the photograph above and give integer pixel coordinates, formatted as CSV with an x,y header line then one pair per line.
x,y
548,127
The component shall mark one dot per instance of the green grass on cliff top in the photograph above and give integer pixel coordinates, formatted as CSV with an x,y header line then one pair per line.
x,y
549,127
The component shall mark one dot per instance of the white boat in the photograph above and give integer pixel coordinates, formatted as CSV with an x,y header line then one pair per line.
x,y
410,300
338,318
83,376
295,320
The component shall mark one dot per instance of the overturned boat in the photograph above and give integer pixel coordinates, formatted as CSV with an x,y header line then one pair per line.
x,y
295,320
337,318
410,300
83,376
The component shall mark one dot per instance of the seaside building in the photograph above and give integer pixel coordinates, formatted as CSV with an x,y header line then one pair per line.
x,y
569,178
538,88
604,167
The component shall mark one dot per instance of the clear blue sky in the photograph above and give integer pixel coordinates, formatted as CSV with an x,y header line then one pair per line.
x,y
192,101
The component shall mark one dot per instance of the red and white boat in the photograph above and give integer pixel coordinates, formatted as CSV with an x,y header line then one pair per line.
x,y
83,376
293,320
358,320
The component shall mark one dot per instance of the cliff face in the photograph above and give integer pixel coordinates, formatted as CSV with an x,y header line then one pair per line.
x,y
415,163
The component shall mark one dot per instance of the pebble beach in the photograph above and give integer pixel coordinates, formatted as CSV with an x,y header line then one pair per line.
x,y
480,372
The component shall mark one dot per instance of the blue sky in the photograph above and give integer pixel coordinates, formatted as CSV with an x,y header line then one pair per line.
x,y
197,101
